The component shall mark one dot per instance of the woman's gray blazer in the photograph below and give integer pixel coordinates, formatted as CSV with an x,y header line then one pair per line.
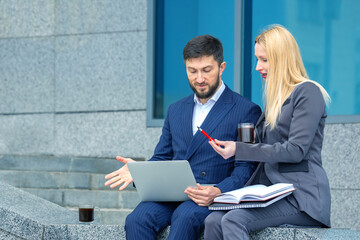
x,y
291,153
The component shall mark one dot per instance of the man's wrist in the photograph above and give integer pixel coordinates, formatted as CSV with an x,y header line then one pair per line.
x,y
218,189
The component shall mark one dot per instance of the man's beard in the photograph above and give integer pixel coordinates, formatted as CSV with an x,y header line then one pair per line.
x,y
208,94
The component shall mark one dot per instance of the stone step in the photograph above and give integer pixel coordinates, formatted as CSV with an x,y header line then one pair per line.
x,y
53,180
60,163
71,182
109,216
126,199
114,205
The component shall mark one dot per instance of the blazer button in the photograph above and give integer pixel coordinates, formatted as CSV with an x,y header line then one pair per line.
x,y
203,174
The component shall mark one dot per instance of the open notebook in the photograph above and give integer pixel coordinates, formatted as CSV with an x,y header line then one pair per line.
x,y
252,196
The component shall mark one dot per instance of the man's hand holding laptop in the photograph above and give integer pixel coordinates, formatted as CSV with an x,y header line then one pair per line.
x,y
202,195
121,176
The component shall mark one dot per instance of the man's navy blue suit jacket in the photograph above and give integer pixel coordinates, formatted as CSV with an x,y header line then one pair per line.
x,y
177,141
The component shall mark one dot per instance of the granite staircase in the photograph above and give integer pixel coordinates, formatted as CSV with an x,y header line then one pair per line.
x,y
70,182
50,181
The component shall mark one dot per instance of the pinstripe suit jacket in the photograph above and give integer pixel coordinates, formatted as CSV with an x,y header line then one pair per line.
x,y
177,141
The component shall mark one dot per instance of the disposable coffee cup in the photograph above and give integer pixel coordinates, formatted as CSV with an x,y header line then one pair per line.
x,y
87,213
246,132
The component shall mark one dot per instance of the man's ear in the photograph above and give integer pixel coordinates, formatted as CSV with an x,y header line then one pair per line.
x,y
222,67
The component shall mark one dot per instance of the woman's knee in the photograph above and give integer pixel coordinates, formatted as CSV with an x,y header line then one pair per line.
x,y
214,219
234,226
235,219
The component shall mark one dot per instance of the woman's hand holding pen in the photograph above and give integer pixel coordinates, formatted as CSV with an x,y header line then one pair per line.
x,y
225,148
121,176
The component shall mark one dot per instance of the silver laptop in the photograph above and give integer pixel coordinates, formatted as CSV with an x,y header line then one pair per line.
x,y
162,181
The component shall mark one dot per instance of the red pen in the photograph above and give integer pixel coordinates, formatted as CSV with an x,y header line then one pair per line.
x,y
207,135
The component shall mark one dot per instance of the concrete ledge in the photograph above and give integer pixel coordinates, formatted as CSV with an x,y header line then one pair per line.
x,y
86,231
8,236
305,233
279,233
25,216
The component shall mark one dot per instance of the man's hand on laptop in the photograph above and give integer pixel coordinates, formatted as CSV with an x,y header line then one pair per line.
x,y
121,176
203,195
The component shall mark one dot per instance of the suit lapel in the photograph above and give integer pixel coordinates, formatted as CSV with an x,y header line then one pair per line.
x,y
212,120
259,128
255,176
187,116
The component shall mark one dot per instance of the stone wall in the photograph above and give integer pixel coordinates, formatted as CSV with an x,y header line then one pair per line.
x,y
73,78
341,160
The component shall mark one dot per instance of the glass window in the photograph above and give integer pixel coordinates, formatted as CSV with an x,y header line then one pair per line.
x,y
176,22
326,31
328,35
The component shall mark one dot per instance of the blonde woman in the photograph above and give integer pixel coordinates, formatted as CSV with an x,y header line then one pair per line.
x,y
289,141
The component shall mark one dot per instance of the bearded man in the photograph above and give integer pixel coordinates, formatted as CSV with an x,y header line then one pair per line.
x,y
217,110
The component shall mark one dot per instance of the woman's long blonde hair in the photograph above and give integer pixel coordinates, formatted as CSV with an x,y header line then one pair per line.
x,y
286,70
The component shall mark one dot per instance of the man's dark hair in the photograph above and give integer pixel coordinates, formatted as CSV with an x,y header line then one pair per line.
x,y
204,45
